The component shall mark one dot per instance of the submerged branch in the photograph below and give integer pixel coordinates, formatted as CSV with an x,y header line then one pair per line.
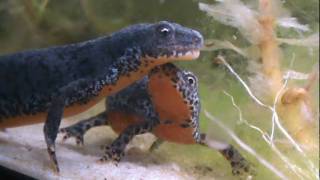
x,y
246,147
275,118
214,44
265,136
310,41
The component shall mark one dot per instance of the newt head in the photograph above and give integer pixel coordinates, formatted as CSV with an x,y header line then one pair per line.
x,y
162,41
174,93
145,46
172,41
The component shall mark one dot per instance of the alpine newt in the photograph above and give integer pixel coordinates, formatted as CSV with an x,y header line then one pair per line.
x,y
166,103
48,84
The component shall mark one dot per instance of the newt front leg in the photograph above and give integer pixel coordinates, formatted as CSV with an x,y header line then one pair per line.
x,y
115,151
79,129
55,113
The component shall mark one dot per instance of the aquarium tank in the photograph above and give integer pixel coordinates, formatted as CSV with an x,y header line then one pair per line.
x,y
258,75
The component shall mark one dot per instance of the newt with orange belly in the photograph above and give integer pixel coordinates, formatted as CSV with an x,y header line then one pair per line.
x,y
165,103
48,84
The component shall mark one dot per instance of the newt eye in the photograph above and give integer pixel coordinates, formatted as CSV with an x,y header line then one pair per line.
x,y
191,80
164,31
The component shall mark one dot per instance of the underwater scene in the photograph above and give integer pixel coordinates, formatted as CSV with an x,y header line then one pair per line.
x,y
251,103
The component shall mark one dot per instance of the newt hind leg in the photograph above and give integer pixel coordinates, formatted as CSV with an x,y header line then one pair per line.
x,y
238,163
240,166
115,151
79,129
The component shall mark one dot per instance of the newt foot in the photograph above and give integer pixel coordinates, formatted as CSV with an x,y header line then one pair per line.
x,y
243,169
112,154
240,166
74,132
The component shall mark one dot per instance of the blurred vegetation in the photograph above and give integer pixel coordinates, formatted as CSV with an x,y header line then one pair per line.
x,y
29,24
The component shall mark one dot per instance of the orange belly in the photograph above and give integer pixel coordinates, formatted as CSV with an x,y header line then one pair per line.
x,y
170,105
119,121
177,114
174,133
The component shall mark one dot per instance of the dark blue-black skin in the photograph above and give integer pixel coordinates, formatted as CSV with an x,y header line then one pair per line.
x,y
47,80
30,79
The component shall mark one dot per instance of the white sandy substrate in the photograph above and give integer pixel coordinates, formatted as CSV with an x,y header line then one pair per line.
x,y
23,149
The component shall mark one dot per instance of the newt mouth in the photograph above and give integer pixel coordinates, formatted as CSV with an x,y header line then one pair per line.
x,y
177,55
188,55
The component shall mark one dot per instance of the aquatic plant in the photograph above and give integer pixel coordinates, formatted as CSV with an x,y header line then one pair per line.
x,y
272,85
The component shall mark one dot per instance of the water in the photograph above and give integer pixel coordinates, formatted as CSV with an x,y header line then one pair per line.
x,y
34,24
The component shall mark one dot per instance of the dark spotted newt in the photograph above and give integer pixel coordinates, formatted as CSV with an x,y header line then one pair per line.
x,y
166,103
48,84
